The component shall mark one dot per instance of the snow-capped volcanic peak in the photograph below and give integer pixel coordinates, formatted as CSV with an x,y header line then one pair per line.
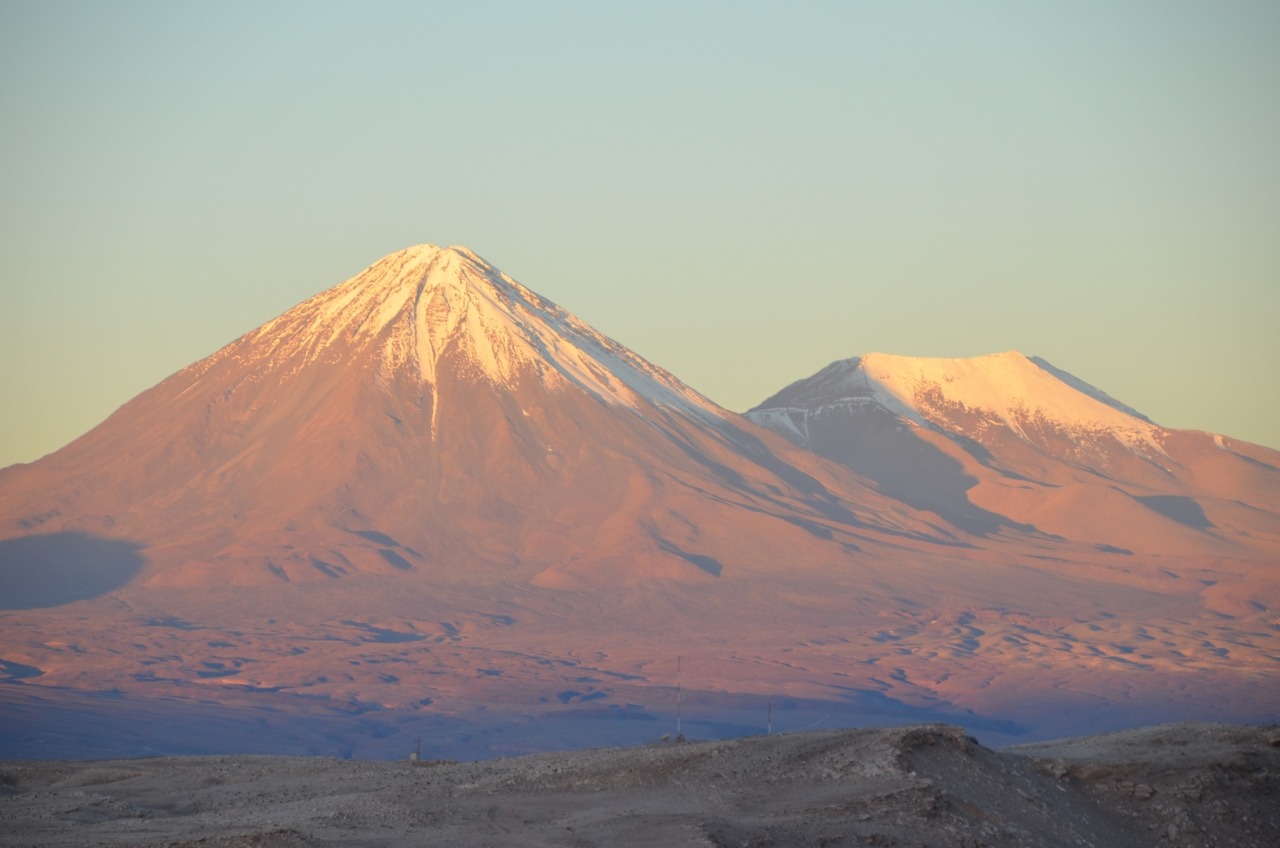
x,y
421,303
1008,386
1027,396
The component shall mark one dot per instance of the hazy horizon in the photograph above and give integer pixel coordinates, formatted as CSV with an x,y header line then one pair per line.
x,y
739,194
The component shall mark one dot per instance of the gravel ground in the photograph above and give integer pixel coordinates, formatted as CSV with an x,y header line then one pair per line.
x,y
1177,785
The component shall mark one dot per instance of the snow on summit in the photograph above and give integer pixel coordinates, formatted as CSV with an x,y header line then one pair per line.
x,y
417,305
1008,385
1006,389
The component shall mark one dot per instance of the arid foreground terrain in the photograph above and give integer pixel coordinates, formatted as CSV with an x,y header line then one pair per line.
x,y
1177,785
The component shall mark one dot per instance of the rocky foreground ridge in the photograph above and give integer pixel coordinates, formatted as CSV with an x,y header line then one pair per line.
x,y
930,785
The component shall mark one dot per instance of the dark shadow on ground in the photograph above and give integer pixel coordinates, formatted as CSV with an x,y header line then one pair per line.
x,y
1182,510
708,564
58,568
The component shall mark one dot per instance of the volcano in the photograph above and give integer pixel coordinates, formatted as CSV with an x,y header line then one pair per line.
x,y
430,415
430,501
1008,441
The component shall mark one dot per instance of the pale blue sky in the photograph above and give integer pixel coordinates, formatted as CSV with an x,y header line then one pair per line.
x,y
741,192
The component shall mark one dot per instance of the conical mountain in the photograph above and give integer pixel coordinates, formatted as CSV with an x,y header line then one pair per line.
x,y
430,412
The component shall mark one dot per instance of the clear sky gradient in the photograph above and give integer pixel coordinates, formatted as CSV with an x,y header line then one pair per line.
x,y
741,192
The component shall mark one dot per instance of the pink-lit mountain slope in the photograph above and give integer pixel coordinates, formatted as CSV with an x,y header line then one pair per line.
x,y
430,495
432,416
1007,443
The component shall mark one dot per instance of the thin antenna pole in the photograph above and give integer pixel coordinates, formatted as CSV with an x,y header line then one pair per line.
x,y
679,695
769,731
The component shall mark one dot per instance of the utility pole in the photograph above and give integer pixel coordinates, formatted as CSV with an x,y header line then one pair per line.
x,y
769,729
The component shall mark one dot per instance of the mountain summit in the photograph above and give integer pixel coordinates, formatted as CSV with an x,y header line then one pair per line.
x,y
426,304
1007,391
1010,441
